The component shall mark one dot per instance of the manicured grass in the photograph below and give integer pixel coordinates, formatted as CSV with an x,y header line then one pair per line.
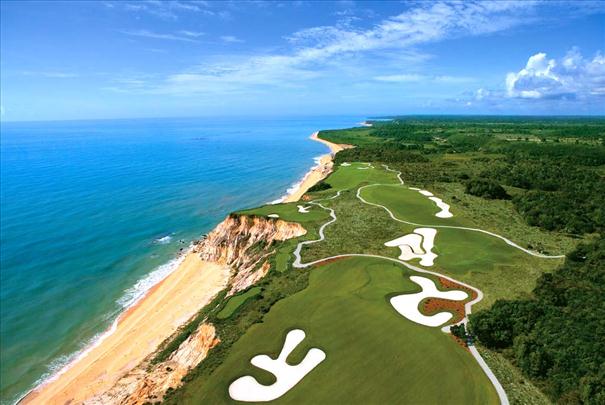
x,y
410,205
236,301
348,177
373,354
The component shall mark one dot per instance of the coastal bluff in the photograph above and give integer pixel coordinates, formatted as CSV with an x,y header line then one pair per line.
x,y
240,243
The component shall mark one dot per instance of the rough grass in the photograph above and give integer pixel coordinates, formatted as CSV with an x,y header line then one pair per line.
x,y
360,228
500,216
519,389
373,354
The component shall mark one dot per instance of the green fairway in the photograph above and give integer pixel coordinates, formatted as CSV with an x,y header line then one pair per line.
x,y
410,205
374,355
236,301
347,177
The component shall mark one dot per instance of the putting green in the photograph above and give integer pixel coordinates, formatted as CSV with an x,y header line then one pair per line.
x,y
374,355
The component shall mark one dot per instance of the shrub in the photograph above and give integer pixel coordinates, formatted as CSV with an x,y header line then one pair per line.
x,y
486,188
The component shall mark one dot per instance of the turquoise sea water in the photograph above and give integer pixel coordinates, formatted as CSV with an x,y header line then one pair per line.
x,y
93,212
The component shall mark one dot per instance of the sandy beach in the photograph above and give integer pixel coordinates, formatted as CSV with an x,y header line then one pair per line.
x,y
142,328
317,173
139,332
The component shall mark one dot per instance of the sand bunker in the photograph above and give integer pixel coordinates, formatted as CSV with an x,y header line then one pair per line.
x,y
407,304
416,245
445,208
249,390
273,216
345,164
303,209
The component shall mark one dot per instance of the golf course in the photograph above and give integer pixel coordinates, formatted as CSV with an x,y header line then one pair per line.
x,y
355,306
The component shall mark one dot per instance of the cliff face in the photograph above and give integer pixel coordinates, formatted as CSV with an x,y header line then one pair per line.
x,y
243,242
141,386
240,242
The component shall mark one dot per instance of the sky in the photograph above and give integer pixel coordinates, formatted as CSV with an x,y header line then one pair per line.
x,y
130,59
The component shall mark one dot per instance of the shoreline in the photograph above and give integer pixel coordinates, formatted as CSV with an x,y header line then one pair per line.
x,y
317,173
155,317
167,305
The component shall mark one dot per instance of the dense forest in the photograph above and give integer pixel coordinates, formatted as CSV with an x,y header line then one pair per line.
x,y
557,337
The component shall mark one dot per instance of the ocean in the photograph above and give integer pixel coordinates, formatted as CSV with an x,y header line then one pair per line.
x,y
93,213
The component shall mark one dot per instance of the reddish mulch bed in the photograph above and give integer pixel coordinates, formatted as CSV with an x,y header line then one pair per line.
x,y
460,342
431,306
450,285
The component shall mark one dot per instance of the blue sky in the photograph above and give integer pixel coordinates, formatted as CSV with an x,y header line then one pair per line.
x,y
106,59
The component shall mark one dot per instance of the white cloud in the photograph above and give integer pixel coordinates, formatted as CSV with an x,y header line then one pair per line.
x,y
570,77
413,77
231,39
168,10
319,49
155,35
193,34
400,78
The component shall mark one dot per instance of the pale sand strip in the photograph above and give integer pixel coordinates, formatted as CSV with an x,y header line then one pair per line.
x,y
139,332
317,173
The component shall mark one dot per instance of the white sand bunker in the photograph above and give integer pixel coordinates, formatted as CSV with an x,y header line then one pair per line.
x,y
407,304
303,209
416,245
273,216
345,164
249,390
444,207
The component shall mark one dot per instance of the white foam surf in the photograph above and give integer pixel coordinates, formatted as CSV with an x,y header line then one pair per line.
x,y
129,299
294,187
164,240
